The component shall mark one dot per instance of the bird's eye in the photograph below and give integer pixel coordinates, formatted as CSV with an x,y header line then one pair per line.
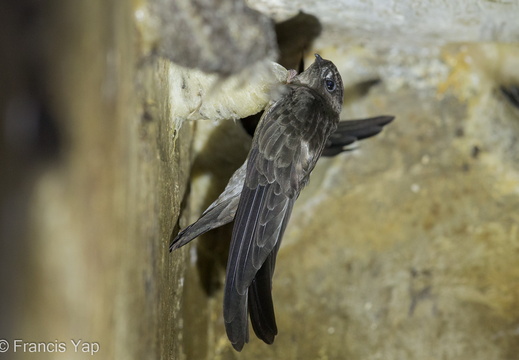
x,y
330,85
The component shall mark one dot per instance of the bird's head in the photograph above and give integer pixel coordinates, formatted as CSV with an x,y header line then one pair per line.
x,y
323,77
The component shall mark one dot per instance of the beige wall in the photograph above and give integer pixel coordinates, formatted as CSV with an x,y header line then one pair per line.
x,y
404,249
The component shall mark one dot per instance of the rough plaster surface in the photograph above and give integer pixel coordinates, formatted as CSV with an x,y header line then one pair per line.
x,y
404,249
406,22
199,34
90,199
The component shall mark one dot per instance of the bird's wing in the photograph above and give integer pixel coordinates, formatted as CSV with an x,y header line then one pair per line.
x,y
219,213
286,146
223,210
353,130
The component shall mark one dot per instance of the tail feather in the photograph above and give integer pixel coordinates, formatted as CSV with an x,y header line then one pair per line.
x,y
261,307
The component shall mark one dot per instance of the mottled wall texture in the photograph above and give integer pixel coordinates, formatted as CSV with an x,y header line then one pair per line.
x,y
119,125
93,176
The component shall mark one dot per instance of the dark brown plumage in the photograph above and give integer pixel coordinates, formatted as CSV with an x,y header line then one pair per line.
x,y
290,138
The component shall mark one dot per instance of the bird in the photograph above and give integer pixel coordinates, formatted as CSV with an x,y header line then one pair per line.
x,y
298,126
223,209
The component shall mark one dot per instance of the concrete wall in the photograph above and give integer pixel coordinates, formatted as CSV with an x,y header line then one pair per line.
x,y
92,183
403,249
